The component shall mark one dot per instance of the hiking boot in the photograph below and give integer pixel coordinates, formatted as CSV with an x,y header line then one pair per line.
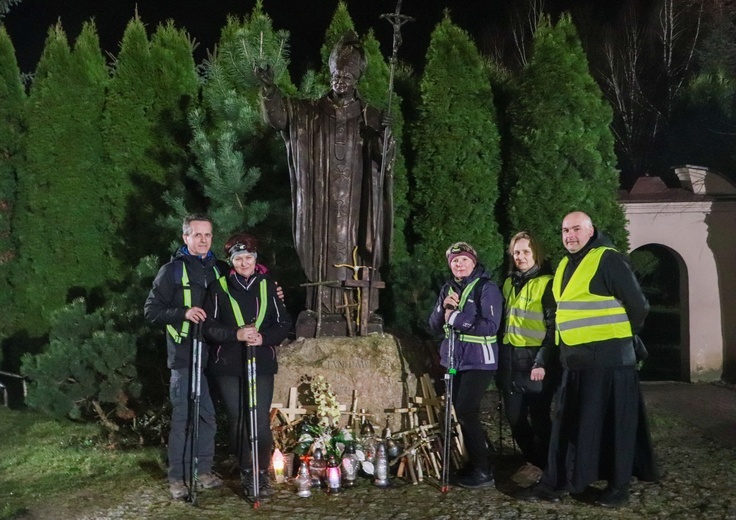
x,y
465,471
478,479
178,490
613,497
264,484
209,481
539,492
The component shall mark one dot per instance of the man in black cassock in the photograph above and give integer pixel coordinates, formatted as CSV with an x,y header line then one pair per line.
x,y
600,429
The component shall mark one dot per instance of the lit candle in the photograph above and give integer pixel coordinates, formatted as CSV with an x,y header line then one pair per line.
x,y
278,466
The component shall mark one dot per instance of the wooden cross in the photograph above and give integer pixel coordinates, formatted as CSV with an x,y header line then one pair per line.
x,y
366,285
293,408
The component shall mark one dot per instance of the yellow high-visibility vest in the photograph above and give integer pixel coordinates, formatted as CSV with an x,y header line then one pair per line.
x,y
583,317
525,313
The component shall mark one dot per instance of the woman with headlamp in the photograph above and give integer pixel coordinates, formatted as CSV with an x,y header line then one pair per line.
x,y
468,312
243,309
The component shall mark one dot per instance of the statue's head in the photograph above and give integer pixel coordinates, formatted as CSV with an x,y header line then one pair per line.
x,y
347,63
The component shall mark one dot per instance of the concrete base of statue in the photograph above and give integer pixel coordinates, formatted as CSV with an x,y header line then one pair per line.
x,y
375,366
332,325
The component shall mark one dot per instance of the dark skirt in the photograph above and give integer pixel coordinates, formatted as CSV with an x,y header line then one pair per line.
x,y
600,431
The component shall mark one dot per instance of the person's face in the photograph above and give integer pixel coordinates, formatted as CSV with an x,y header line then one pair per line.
x,y
576,231
244,264
523,255
199,240
461,266
343,83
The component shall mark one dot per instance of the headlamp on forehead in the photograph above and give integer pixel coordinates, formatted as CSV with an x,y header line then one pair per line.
x,y
240,249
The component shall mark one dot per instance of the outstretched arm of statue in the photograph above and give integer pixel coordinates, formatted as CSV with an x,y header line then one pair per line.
x,y
274,111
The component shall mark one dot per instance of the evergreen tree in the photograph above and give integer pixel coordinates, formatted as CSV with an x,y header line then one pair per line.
x,y
12,128
561,155
154,86
87,367
5,6
227,128
63,222
456,143
340,23
130,114
702,125
373,88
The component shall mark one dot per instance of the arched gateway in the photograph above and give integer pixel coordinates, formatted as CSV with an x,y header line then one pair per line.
x,y
697,221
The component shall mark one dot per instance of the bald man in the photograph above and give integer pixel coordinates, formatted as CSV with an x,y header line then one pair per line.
x,y
600,430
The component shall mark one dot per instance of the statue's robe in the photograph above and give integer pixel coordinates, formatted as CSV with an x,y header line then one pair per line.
x,y
341,207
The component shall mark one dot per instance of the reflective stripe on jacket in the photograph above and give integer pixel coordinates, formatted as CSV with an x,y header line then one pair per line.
x,y
183,332
584,317
486,342
261,304
524,312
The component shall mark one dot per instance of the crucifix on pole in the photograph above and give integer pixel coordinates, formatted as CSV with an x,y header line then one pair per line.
x,y
396,19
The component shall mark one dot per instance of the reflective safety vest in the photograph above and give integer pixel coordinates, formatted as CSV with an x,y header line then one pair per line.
x,y
524,312
583,317
183,332
469,338
260,304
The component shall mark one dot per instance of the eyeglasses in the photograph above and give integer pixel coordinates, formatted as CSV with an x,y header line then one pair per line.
x,y
241,248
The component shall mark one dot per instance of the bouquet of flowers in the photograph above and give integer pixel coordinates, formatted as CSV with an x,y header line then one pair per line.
x,y
321,430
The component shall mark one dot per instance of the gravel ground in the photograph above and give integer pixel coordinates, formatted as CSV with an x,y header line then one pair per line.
x,y
698,468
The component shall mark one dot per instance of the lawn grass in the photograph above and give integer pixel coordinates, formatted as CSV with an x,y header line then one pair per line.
x,y
44,461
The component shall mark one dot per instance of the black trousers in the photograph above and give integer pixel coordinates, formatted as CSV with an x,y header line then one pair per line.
x,y
469,386
234,394
531,423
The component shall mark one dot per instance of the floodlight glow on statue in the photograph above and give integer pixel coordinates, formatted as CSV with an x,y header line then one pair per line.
x,y
341,200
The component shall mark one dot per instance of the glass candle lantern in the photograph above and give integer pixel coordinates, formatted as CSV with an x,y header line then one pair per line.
x,y
303,481
368,440
380,472
317,468
278,466
392,449
349,465
333,476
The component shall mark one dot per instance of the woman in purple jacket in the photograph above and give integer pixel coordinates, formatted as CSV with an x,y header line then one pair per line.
x,y
470,309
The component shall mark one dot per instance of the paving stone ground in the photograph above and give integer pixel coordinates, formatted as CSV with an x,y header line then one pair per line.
x,y
693,428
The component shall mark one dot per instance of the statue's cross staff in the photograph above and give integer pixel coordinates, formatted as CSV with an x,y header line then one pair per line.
x,y
396,19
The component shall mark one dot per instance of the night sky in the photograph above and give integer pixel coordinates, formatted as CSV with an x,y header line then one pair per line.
x,y
306,20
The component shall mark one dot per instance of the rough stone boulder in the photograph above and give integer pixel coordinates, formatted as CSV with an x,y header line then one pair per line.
x,y
374,366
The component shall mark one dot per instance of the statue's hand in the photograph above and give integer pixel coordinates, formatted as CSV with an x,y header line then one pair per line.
x,y
387,119
265,78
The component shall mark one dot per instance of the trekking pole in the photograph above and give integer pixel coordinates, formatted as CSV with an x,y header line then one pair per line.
x,y
253,421
447,447
195,393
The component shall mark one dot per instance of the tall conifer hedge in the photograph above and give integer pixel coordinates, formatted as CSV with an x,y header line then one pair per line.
x,y
561,155
63,219
12,128
457,153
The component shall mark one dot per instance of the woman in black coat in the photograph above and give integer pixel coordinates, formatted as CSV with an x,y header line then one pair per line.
x,y
243,309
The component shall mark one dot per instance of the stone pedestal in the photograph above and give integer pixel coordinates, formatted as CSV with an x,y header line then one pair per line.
x,y
333,325
374,366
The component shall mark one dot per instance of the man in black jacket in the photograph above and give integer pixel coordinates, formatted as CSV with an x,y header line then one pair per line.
x,y
600,429
175,301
